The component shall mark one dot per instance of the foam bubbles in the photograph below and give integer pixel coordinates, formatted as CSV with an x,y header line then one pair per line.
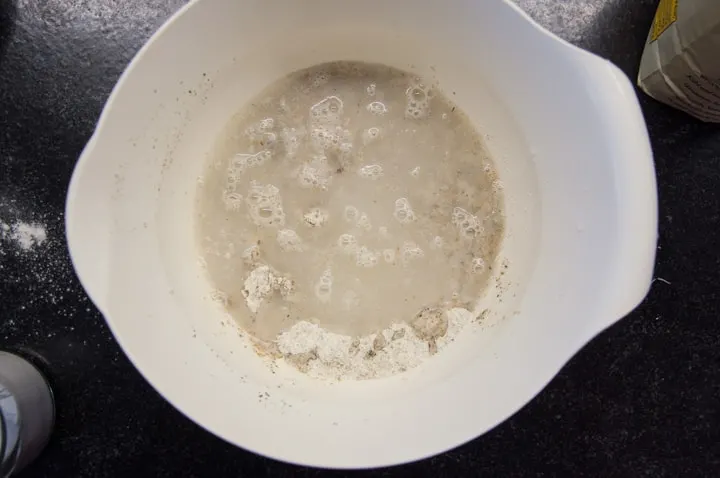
x,y
371,89
345,154
351,214
329,111
417,101
323,287
370,135
291,138
477,265
315,173
232,179
316,217
324,138
371,171
363,222
468,224
289,240
410,251
377,108
242,162
331,139
233,201
262,132
251,255
389,255
265,205
403,211
319,79
366,257
347,243
267,124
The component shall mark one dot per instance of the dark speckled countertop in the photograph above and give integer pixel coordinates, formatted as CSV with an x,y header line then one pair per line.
x,y
642,399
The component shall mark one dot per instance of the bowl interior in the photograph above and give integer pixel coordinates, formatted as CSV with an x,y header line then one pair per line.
x,y
133,202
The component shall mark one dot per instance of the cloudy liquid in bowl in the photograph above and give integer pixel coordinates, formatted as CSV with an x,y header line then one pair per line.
x,y
350,195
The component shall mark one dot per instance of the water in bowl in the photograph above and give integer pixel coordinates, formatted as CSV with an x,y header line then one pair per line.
x,y
354,197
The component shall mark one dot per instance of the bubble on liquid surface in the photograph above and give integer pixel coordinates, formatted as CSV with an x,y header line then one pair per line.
x,y
242,162
437,242
403,211
316,217
265,205
331,139
469,225
262,133
411,252
233,201
347,243
251,255
477,266
377,108
351,214
370,135
289,240
364,223
319,79
316,173
366,257
417,101
292,138
329,111
323,287
371,171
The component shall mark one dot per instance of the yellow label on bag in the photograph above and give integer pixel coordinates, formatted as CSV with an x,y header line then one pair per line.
x,y
666,15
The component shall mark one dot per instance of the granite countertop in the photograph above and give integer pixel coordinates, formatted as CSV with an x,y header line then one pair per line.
x,y
642,399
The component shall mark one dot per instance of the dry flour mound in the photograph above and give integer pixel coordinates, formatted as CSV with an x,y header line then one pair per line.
x,y
325,355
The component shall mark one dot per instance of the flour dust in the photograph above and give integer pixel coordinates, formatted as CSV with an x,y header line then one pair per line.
x,y
24,235
344,213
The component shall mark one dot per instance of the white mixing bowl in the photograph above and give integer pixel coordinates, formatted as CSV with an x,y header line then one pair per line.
x,y
571,148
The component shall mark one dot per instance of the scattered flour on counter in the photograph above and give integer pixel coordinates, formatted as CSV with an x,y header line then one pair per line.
x,y
25,235
329,356
42,298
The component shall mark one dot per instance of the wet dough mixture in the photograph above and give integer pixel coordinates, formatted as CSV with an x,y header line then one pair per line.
x,y
352,199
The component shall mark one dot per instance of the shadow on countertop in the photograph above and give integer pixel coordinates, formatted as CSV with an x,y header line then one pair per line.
x,y
8,14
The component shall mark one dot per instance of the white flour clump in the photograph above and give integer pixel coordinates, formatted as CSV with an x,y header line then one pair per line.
x,y
25,235
261,283
325,355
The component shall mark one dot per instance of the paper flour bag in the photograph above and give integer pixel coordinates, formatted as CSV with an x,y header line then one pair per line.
x,y
681,62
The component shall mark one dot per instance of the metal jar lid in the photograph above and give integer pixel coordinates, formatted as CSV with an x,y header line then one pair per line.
x,y
27,413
